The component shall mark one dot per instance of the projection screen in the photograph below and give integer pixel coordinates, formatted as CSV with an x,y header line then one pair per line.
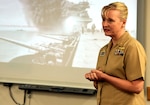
x,y
51,42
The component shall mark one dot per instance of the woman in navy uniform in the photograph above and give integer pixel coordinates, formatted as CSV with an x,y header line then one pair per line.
x,y
120,72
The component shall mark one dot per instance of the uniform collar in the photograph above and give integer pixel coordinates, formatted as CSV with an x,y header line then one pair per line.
x,y
121,40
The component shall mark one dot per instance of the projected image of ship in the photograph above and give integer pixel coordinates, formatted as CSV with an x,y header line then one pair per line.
x,y
60,51
59,23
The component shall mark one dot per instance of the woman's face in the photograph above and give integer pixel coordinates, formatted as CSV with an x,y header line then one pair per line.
x,y
112,24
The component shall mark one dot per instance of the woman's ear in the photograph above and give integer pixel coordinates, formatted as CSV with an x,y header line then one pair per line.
x,y
124,23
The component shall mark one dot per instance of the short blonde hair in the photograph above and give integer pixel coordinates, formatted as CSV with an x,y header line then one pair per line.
x,y
116,6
